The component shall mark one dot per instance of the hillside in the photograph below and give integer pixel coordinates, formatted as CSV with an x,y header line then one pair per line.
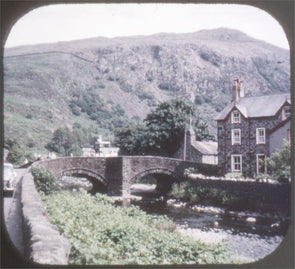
x,y
102,83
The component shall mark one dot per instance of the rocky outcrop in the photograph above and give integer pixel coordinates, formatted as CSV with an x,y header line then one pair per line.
x,y
43,242
130,76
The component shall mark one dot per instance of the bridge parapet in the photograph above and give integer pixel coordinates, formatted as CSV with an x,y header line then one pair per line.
x,y
118,173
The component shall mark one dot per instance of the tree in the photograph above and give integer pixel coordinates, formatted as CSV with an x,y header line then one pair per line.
x,y
279,163
16,153
65,142
131,140
162,131
166,126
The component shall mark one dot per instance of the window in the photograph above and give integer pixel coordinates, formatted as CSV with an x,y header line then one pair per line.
x,y
236,163
260,164
236,136
286,112
260,136
235,117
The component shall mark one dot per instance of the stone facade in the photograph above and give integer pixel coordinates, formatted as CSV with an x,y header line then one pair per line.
x,y
117,174
245,139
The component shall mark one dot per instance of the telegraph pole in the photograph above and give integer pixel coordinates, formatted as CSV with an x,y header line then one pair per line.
x,y
184,141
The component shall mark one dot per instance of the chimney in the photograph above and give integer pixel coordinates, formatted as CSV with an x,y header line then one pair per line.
x,y
238,91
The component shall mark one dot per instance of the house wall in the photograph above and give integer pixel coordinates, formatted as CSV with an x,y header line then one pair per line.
x,y
191,153
276,139
248,148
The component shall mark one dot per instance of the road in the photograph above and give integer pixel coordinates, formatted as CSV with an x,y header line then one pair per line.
x,y
13,214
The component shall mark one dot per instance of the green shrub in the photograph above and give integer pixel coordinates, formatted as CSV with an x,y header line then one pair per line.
x,y
45,181
192,192
190,170
279,163
16,153
102,233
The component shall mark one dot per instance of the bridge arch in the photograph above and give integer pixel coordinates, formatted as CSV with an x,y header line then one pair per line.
x,y
164,177
99,183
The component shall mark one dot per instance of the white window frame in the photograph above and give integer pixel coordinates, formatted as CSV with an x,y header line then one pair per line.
x,y
257,164
258,141
233,163
233,118
233,141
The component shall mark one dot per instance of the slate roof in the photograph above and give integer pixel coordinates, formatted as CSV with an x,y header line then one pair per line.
x,y
257,106
205,147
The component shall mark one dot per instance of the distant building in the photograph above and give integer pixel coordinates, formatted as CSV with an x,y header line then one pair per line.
x,y
88,152
101,149
51,155
249,129
198,151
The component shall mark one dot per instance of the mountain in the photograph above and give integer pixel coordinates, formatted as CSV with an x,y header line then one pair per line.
x,y
102,83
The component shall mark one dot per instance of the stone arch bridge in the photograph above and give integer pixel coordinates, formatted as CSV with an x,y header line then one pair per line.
x,y
116,174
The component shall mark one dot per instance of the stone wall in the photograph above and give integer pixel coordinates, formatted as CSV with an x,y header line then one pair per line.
x,y
275,197
42,240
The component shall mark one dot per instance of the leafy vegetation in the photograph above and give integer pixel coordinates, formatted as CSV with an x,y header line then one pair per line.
x,y
192,192
162,131
44,180
279,163
102,234
96,109
17,155
66,142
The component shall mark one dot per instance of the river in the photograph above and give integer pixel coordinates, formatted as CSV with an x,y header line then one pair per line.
x,y
250,236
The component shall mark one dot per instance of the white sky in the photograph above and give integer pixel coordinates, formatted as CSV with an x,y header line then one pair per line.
x,y
78,21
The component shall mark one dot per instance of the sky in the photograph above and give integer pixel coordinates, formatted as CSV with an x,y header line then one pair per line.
x,y
65,22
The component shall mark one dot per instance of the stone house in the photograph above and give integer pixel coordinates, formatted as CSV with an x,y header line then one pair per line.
x,y
197,151
249,129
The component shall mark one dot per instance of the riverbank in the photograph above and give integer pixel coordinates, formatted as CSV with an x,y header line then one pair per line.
x,y
103,233
248,235
244,247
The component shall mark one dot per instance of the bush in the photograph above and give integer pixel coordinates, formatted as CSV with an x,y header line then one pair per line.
x,y
190,170
280,163
16,155
192,192
45,181
102,233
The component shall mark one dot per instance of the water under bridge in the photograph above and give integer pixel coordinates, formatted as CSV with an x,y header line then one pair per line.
x,y
115,175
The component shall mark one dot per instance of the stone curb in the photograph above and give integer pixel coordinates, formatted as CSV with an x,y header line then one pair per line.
x,y
43,242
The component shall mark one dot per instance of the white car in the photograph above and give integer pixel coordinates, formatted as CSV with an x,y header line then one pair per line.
x,y
9,177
